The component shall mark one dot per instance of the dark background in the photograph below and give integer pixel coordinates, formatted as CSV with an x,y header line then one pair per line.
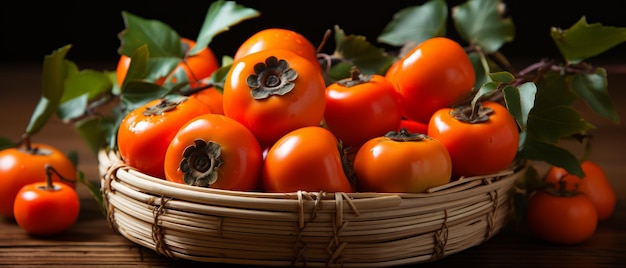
x,y
31,30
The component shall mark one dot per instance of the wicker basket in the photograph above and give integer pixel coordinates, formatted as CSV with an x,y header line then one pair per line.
x,y
303,228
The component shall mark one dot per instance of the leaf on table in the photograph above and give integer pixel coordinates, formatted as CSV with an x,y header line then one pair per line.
x,y
583,41
161,39
54,72
415,24
219,18
592,88
480,23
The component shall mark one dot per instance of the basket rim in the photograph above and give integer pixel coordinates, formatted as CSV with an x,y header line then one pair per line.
x,y
111,163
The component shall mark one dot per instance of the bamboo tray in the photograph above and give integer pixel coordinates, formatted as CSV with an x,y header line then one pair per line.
x,y
303,228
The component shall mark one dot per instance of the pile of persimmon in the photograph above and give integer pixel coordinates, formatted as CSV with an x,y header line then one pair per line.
x,y
568,208
37,188
280,127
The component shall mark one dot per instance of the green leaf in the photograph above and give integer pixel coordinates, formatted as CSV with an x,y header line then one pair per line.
x,y
73,108
73,157
583,40
116,89
218,77
94,131
481,68
138,66
160,67
138,93
520,101
487,89
339,71
552,90
553,123
6,143
361,53
531,180
592,88
94,190
551,154
219,18
480,23
502,77
161,39
90,82
415,24
54,71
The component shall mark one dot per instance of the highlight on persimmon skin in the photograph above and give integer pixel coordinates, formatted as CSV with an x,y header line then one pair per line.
x,y
197,67
433,75
278,38
305,159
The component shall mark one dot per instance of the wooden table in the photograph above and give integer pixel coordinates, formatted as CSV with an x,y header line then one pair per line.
x,y
91,242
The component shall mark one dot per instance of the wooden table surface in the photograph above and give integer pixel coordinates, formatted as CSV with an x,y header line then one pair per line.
x,y
91,242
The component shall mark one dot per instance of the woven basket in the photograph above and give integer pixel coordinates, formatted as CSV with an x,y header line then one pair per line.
x,y
303,228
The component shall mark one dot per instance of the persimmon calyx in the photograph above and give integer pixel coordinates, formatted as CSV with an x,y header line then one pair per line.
x,y
165,105
356,78
272,77
404,135
471,115
201,162
34,150
561,189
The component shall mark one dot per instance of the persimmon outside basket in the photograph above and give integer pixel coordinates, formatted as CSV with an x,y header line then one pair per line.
x,y
303,228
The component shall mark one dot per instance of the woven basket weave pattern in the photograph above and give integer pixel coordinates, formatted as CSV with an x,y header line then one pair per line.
x,y
303,228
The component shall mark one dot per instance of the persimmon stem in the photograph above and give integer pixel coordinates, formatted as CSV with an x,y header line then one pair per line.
x,y
325,38
49,171
25,141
